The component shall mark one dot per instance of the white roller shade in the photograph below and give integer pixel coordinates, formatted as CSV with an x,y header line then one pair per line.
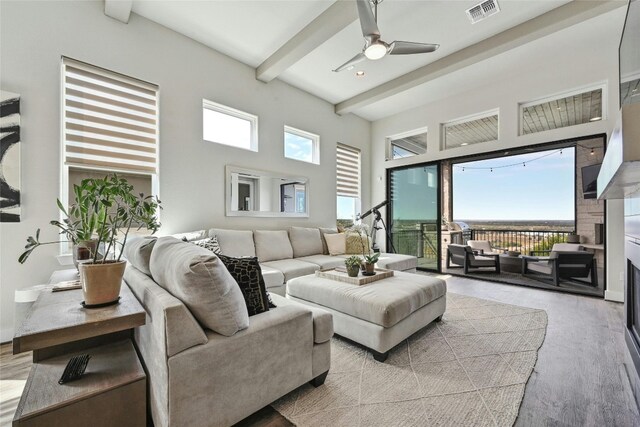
x,y
348,171
110,120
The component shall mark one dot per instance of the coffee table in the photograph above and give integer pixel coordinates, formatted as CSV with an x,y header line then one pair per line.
x,y
510,264
378,315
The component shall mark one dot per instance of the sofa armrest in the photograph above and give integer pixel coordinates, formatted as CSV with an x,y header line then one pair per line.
x,y
322,319
229,378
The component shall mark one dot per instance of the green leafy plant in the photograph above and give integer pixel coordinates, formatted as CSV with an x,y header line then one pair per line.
x,y
353,261
103,209
372,258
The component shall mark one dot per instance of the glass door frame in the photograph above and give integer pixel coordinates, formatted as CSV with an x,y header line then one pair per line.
x,y
389,213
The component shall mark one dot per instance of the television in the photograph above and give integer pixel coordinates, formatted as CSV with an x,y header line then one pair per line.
x,y
590,181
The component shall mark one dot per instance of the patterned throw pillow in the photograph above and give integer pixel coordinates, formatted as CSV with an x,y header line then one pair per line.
x,y
210,243
248,274
354,243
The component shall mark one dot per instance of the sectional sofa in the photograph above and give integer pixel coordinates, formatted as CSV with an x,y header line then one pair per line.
x,y
200,377
287,254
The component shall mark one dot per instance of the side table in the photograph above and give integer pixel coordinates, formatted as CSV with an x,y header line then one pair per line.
x,y
113,390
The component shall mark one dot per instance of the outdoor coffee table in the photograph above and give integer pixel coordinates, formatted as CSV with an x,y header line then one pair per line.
x,y
510,264
378,315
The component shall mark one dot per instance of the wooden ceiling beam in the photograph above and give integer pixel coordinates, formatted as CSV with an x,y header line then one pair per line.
x,y
118,9
333,20
548,23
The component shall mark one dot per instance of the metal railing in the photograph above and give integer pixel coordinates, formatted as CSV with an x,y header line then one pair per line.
x,y
423,242
523,241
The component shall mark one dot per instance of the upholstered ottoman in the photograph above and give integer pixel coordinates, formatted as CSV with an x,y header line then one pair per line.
x,y
379,315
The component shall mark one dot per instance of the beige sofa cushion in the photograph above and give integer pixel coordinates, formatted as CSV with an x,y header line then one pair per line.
x,y
384,303
235,243
272,245
291,268
323,231
324,261
336,243
272,277
138,253
397,262
200,280
305,241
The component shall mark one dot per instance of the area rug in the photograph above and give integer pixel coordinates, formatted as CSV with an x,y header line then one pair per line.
x,y
468,370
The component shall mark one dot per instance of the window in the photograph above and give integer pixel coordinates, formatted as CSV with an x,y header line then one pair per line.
x,y
229,126
470,130
407,144
301,145
110,124
348,184
560,111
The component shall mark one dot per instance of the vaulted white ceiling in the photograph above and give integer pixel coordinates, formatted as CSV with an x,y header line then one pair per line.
x,y
251,31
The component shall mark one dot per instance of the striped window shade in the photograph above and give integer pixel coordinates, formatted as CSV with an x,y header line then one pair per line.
x,y
348,171
110,120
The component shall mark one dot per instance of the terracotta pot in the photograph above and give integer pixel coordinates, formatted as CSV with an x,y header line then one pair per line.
x,y
369,268
101,282
83,250
353,270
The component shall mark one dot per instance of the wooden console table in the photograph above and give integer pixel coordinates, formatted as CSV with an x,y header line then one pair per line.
x,y
113,390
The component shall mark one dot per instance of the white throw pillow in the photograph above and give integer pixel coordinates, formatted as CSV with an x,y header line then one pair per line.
x,y
336,243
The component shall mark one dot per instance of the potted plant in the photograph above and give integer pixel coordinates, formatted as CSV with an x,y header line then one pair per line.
x,y
108,209
353,264
370,263
368,266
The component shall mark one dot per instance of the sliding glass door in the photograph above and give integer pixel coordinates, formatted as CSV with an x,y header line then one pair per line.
x,y
414,213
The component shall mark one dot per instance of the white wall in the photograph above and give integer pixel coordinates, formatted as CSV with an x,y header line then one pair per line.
x,y
33,37
572,58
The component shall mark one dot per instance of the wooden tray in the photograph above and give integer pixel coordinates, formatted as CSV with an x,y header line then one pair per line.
x,y
340,275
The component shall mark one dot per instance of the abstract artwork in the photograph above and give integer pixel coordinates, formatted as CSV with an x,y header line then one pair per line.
x,y
9,157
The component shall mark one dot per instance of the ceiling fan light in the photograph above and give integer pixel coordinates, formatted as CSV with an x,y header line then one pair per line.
x,y
375,51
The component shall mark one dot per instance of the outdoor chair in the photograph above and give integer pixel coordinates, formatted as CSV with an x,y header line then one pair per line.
x,y
572,266
483,247
463,256
559,247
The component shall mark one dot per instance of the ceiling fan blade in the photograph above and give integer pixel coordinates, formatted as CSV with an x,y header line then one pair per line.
x,y
350,63
367,20
409,48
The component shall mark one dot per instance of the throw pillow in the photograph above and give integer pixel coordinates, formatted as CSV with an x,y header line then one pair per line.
x,y
210,243
323,231
336,243
247,273
200,280
354,243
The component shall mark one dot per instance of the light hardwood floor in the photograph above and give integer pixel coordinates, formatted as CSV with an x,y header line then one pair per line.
x,y
579,380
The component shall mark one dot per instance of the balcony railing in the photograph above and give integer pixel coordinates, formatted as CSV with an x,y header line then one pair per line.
x,y
519,240
423,242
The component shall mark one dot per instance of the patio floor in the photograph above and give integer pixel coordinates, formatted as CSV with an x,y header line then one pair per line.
x,y
520,280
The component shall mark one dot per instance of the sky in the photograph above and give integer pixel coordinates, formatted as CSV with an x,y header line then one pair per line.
x,y
541,190
298,147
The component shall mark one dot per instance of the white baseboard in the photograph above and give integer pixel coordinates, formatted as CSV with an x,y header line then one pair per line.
x,y
616,296
6,335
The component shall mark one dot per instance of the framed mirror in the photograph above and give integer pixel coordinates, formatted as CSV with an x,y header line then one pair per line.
x,y
251,192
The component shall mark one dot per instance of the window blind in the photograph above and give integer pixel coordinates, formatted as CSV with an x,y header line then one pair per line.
x,y
348,171
110,120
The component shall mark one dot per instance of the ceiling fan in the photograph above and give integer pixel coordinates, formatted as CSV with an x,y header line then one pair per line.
x,y
375,47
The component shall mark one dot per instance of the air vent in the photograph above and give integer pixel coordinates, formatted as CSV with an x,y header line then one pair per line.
x,y
483,10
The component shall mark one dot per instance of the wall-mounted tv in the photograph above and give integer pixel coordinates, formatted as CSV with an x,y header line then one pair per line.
x,y
590,181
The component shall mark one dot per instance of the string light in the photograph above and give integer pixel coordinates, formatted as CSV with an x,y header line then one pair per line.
x,y
524,164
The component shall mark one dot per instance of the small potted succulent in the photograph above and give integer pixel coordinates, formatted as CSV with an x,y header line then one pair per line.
x,y
353,264
370,263
110,209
